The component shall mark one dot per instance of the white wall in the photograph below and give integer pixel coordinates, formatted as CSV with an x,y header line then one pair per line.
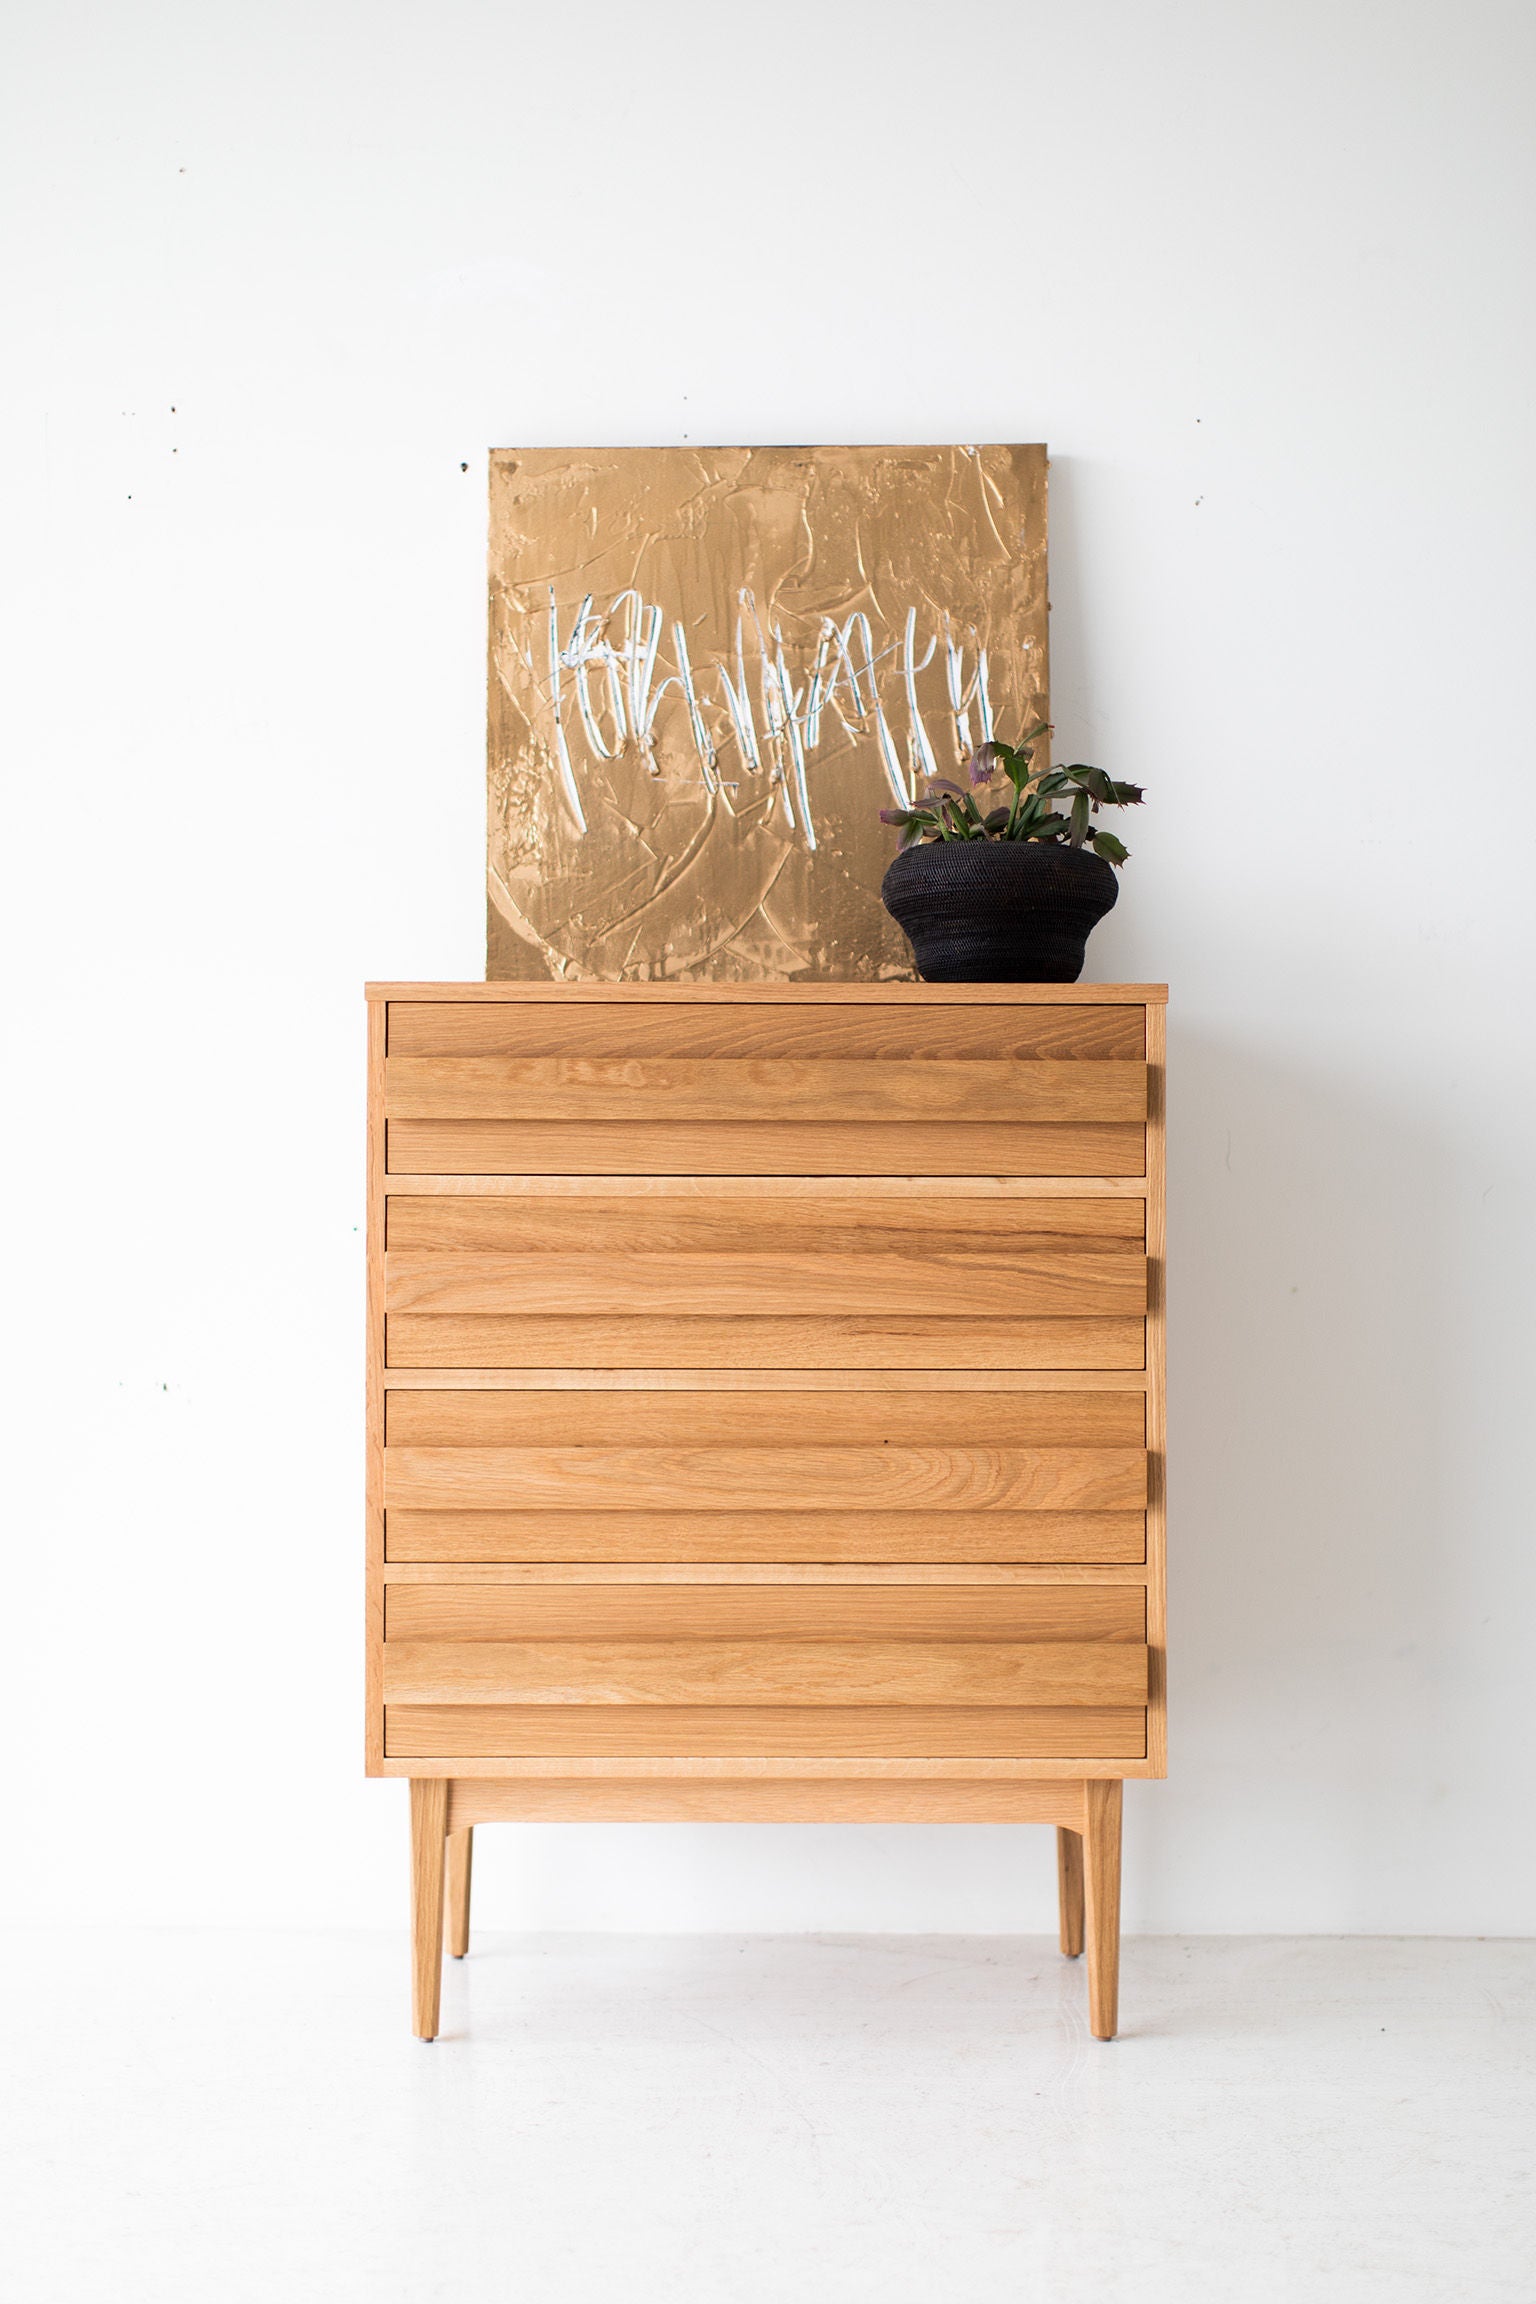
x,y
1260,276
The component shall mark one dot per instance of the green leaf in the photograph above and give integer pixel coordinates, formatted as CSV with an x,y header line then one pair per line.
x,y
1106,845
1079,831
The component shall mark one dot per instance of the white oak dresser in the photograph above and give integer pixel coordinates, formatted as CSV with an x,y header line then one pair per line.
x,y
765,1413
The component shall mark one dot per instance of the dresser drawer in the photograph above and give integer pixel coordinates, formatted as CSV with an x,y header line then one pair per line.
x,y
752,1475
731,1669
792,1476
737,1279
852,1670
859,1092
694,1671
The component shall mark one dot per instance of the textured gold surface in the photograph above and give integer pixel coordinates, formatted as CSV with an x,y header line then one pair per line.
x,y
711,668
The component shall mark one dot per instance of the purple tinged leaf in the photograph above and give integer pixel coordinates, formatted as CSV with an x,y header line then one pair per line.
x,y
982,763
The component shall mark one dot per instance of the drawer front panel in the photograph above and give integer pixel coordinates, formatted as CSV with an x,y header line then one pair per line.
x,y
766,1671
635,1538
686,1732
744,1287
448,1612
484,1028
753,1222
538,1340
749,1222
844,1279
788,1479
694,1455
591,1422
562,1088
647,1146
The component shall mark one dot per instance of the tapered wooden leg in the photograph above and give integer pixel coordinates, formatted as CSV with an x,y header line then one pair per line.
x,y
429,1819
1101,1869
1069,1889
461,1858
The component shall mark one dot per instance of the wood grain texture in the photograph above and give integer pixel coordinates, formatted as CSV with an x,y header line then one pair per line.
x,y
749,1800
747,1147
761,1381
698,1671
373,1365
682,1342
853,1731
1156,1365
786,1029
1069,1890
523,1573
852,1480
903,1535
429,1818
666,1800
756,1222
784,1282
727,1089
739,1767
977,1191
701,1420
872,1380
1101,1896
461,1864
760,1612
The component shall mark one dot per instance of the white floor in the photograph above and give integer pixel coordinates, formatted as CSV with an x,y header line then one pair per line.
x,y
671,2120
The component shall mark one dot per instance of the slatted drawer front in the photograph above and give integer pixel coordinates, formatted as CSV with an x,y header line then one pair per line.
x,y
787,1475
902,1535
850,1671
844,1280
511,1089
772,1032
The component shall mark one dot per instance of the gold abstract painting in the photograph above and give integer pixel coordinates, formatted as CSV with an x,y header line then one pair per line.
x,y
711,668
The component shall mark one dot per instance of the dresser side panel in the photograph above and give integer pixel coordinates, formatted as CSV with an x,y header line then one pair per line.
x,y
375,1404
1157,1389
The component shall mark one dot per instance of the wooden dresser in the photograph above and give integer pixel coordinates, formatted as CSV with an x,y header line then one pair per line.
x,y
765,1404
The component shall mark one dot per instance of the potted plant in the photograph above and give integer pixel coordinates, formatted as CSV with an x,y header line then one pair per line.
x,y
1006,894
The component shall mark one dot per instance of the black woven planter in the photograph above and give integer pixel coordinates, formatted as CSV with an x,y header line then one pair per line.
x,y
998,911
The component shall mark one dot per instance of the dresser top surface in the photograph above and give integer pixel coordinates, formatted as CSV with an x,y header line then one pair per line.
x,y
809,995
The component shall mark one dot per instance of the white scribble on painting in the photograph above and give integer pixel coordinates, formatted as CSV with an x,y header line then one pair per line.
x,y
619,646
